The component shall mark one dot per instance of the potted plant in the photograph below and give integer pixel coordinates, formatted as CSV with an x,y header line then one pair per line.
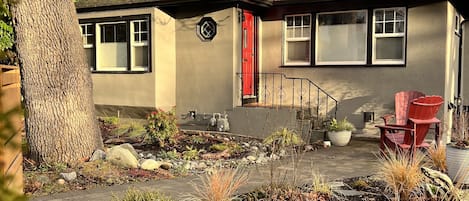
x,y
457,151
339,132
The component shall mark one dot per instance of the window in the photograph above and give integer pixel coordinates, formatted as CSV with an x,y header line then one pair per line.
x,y
140,44
341,37
297,40
389,36
87,32
354,37
117,46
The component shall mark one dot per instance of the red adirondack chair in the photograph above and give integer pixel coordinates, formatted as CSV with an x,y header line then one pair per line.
x,y
421,115
402,101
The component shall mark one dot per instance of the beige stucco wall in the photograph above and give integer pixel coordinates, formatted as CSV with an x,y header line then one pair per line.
x,y
206,69
372,89
155,89
465,63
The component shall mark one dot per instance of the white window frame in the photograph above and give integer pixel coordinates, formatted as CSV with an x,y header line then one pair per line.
x,y
132,43
339,62
296,39
389,35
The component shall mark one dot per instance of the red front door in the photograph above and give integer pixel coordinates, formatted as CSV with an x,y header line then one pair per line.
x,y
248,54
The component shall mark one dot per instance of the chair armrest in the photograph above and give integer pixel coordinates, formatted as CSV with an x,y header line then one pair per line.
x,y
394,128
387,118
426,121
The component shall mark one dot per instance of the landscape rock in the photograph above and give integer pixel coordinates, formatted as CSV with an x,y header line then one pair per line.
x,y
61,181
251,158
166,165
121,156
98,154
69,176
150,164
130,148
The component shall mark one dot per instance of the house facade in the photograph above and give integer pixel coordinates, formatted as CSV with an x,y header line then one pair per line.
x,y
343,58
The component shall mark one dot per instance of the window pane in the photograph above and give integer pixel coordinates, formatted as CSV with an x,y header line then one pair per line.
x,y
83,29
389,27
379,15
389,48
389,15
144,36
306,32
298,32
399,27
297,20
306,20
290,32
121,30
89,56
107,33
137,37
342,18
379,28
289,21
141,56
136,27
400,14
89,40
298,51
342,37
144,26
90,29
116,55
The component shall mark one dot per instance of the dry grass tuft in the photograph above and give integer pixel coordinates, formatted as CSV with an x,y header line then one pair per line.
x,y
401,173
437,154
320,185
220,185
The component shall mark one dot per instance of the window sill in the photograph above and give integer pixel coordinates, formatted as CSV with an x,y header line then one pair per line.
x,y
120,72
345,66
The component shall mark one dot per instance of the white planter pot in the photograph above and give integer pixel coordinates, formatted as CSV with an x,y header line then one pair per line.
x,y
457,161
339,138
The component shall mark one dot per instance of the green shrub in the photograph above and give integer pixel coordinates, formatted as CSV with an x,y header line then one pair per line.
x,y
133,194
174,154
340,125
191,153
161,127
284,137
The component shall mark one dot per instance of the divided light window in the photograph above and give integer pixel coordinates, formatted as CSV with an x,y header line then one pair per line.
x,y
389,36
87,33
117,46
346,38
297,40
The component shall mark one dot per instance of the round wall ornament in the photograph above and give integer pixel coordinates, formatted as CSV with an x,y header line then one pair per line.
x,y
206,29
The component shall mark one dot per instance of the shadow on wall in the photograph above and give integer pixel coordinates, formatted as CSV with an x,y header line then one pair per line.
x,y
348,108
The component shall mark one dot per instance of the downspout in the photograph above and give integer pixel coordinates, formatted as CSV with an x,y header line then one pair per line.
x,y
458,97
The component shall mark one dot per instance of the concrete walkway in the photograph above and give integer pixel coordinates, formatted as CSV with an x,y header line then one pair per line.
x,y
356,159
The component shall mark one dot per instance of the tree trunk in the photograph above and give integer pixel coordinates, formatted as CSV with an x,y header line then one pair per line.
x,y
61,124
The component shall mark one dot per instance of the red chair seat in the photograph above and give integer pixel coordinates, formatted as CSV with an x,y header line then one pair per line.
x,y
393,139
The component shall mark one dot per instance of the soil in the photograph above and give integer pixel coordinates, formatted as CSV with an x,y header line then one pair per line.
x,y
46,179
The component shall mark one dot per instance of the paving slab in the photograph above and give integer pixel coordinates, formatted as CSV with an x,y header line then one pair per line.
x,y
334,163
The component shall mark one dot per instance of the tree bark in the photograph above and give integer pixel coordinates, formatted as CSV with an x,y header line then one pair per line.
x,y
61,124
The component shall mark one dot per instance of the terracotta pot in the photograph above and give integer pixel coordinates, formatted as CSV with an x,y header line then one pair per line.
x,y
457,161
339,138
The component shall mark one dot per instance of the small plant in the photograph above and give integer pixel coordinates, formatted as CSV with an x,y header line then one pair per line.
x,y
437,155
320,186
340,125
196,139
360,184
133,194
106,126
401,172
174,154
220,185
191,153
460,132
283,138
161,126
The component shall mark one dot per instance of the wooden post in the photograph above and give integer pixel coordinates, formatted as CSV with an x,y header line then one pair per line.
x,y
11,157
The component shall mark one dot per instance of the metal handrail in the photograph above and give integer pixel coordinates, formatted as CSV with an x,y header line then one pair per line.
x,y
269,81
